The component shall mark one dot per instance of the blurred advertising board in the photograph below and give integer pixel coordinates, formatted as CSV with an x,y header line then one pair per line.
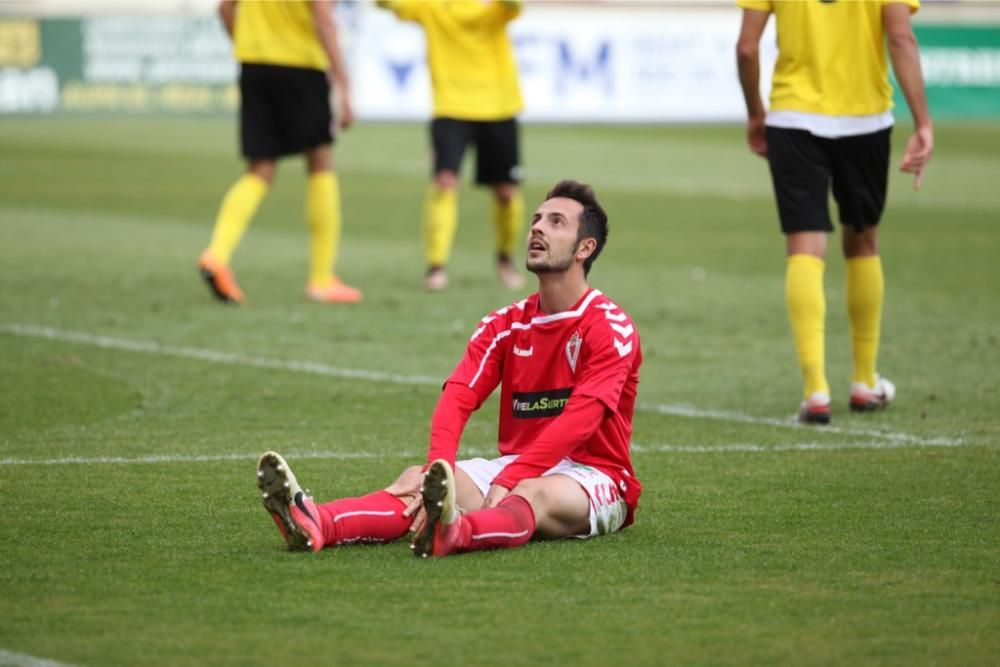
x,y
600,63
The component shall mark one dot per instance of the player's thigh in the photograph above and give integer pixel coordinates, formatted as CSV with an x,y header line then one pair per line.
x,y
449,137
861,177
560,503
498,152
259,131
800,173
304,110
470,498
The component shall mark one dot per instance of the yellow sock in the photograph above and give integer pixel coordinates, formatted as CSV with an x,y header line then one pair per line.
x,y
323,220
238,208
440,220
865,293
807,312
507,222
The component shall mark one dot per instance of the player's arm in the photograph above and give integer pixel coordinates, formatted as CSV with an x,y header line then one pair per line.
x,y
748,65
227,12
473,380
607,358
326,29
454,407
579,420
905,55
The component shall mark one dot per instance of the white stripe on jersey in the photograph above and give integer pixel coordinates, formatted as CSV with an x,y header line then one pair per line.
x,y
542,319
486,355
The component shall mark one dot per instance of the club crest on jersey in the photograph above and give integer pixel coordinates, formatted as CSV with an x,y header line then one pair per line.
x,y
573,350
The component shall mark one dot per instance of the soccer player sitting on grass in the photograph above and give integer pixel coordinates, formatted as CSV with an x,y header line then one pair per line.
x,y
567,359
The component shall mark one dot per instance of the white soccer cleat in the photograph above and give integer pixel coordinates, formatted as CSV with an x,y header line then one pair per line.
x,y
815,409
868,399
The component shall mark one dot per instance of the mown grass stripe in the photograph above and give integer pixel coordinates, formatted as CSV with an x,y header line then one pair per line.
x,y
215,356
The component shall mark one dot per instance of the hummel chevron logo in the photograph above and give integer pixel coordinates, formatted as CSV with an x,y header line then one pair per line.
x,y
620,317
623,348
606,306
623,331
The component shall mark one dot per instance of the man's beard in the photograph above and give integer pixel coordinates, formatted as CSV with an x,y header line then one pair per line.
x,y
550,265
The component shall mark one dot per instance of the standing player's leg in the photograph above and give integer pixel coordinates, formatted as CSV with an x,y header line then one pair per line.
x,y
498,166
801,175
259,143
323,218
448,140
237,210
860,180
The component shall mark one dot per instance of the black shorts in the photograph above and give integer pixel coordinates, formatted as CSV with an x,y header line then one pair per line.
x,y
283,110
804,165
497,151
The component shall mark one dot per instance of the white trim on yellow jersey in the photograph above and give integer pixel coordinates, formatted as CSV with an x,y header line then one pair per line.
x,y
830,127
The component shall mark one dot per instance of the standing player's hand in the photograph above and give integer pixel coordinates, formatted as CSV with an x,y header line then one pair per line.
x,y
757,136
495,495
918,153
346,116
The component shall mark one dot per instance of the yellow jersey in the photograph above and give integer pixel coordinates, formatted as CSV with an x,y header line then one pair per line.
x,y
278,33
470,57
831,55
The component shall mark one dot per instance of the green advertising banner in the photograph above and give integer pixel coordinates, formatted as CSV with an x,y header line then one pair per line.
x,y
108,64
961,66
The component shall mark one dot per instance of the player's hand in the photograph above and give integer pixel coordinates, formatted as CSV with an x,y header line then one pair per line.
x,y
495,495
918,153
346,116
407,489
757,136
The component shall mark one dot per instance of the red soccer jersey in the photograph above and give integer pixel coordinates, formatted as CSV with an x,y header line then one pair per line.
x,y
543,360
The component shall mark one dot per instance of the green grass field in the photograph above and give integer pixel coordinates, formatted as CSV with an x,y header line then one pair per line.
x,y
133,408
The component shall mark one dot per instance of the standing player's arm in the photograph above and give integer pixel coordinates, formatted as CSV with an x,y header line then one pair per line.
x,y
905,55
227,12
579,420
326,28
748,64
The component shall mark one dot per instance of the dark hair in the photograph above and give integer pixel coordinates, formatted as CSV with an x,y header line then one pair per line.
x,y
593,219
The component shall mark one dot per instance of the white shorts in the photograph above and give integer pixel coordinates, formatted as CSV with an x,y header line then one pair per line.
x,y
607,507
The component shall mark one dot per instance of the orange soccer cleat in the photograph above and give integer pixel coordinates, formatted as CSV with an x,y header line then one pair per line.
x,y
508,274
220,279
334,291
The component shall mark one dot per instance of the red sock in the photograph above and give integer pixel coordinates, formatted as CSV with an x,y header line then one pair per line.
x,y
509,524
377,517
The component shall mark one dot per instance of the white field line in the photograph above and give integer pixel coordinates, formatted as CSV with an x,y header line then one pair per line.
x,y
791,422
8,659
788,447
214,356
750,448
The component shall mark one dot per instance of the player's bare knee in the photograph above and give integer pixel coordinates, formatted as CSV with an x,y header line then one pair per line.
x,y
446,180
505,192
532,490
